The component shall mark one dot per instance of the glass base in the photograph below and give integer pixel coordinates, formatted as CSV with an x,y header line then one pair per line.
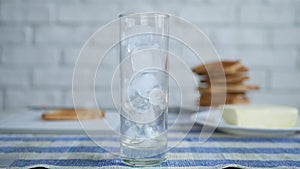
x,y
142,162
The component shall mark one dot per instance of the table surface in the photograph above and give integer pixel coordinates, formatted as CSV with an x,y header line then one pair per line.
x,y
186,150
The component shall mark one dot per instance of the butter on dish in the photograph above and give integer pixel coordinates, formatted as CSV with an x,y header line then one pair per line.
x,y
260,116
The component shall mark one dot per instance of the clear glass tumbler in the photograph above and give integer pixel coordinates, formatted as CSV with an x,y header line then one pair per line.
x,y
144,87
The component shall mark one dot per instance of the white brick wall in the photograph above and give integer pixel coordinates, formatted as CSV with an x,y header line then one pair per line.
x,y
241,36
52,78
287,80
14,35
209,13
276,97
285,37
23,12
14,77
90,12
17,98
103,98
273,59
62,35
260,78
30,56
267,14
40,41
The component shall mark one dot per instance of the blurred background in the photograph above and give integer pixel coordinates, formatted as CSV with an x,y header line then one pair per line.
x,y
40,42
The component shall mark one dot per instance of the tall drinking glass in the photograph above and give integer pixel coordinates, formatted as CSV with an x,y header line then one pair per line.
x,y
144,87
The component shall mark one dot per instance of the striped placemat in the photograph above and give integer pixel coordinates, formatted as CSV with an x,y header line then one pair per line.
x,y
219,151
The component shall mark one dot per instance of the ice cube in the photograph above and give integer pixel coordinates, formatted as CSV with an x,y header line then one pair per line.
x,y
133,132
146,116
142,83
150,131
139,103
146,96
156,97
139,113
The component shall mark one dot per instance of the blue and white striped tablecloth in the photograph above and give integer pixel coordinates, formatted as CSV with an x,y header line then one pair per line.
x,y
219,151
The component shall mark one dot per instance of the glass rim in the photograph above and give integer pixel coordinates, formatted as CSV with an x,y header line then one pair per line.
x,y
147,14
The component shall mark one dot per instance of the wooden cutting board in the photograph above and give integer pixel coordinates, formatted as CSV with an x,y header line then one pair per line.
x,y
30,122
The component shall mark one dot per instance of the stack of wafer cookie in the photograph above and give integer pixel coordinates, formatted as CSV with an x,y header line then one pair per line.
x,y
234,78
